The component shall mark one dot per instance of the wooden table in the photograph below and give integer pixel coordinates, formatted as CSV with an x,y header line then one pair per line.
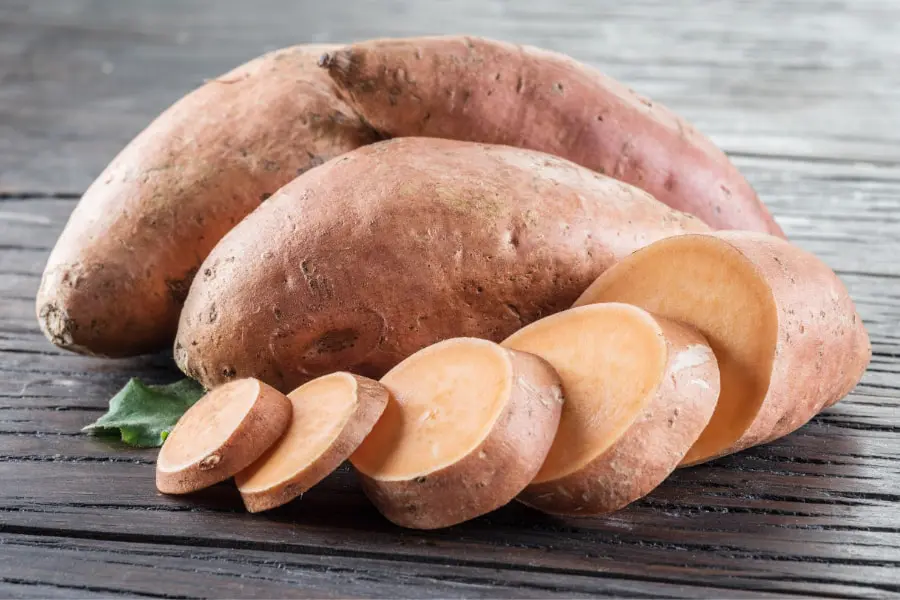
x,y
804,95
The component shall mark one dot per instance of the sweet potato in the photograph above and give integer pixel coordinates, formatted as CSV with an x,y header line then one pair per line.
x,y
639,390
116,280
385,250
466,428
783,328
480,90
223,433
331,417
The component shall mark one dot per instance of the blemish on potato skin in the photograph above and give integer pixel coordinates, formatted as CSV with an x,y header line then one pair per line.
x,y
210,462
178,288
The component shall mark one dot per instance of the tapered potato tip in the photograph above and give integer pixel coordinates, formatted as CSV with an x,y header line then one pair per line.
x,y
332,415
639,391
466,428
222,434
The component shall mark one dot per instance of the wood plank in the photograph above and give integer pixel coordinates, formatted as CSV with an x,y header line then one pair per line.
x,y
758,527
137,569
788,78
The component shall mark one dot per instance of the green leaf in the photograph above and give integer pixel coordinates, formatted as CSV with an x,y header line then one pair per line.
x,y
143,415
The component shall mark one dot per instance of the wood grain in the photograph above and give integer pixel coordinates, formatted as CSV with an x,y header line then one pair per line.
x,y
790,78
804,94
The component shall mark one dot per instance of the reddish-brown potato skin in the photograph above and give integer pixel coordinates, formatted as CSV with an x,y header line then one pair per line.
x,y
372,399
823,348
651,449
493,473
361,262
119,273
481,90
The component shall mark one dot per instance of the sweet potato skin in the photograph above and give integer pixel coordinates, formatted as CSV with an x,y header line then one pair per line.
x,y
118,275
652,447
823,348
385,250
491,474
480,90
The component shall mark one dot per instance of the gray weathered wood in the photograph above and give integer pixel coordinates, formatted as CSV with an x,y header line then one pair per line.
x,y
789,78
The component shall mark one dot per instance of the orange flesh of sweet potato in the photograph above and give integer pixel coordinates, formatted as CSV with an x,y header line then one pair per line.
x,y
639,390
784,330
331,417
466,429
223,433
480,90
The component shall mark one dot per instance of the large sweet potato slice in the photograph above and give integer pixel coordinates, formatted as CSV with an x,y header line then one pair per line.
x,y
784,330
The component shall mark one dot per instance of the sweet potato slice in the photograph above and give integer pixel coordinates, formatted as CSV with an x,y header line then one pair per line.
x,y
639,390
331,417
783,327
466,429
222,434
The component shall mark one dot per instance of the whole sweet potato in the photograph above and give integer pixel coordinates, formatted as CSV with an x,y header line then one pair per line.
x,y
119,273
480,90
378,253
116,280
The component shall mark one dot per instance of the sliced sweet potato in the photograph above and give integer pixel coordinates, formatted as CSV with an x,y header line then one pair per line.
x,y
331,417
466,429
783,327
639,390
223,433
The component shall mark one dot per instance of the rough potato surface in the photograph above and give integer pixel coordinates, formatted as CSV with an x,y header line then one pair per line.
x,y
481,90
387,249
119,273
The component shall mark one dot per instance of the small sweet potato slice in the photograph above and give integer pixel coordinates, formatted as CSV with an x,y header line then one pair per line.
x,y
467,427
223,433
639,391
784,330
332,416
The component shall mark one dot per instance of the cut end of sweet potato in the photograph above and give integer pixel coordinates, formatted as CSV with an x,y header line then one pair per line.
x,y
331,417
467,427
639,391
220,435
777,318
